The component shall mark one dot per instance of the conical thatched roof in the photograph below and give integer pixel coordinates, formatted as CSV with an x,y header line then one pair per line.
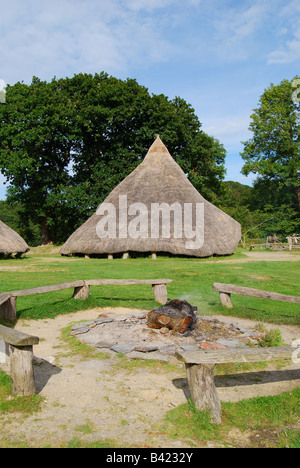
x,y
10,241
158,179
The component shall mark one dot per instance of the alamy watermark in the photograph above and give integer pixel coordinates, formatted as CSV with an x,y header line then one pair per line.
x,y
2,92
161,220
296,93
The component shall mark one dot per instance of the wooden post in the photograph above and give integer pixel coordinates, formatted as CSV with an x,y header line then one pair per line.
x,y
225,300
227,289
8,310
4,351
21,370
110,257
203,391
81,292
160,293
153,256
125,255
200,370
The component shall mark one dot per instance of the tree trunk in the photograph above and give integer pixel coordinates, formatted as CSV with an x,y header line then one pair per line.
x,y
298,196
45,231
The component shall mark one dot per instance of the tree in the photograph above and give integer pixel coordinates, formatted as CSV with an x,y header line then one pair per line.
x,y
274,150
120,120
35,147
66,144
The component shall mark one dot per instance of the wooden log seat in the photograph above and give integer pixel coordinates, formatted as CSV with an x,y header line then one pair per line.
x,y
225,291
21,360
200,371
8,300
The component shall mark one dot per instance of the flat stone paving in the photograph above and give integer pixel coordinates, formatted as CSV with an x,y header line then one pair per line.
x,y
131,335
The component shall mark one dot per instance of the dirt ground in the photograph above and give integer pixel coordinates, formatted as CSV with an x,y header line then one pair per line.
x,y
115,403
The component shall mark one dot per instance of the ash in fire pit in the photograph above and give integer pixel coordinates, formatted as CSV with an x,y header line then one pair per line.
x,y
176,315
132,334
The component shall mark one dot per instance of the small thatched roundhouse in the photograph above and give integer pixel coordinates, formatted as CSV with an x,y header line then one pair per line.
x,y
11,242
156,209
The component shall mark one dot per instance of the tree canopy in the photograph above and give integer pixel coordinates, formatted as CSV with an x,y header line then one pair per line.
x,y
64,145
273,152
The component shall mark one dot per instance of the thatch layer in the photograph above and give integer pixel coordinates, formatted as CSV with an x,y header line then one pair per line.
x,y
158,179
11,242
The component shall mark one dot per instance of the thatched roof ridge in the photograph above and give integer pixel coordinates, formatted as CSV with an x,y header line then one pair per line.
x,y
10,241
158,179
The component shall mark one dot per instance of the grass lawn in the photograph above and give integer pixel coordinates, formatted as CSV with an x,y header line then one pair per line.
x,y
192,281
265,421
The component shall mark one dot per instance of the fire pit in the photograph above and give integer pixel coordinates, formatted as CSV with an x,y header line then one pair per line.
x,y
162,331
176,315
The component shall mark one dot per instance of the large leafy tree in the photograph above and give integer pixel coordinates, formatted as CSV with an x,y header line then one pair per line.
x,y
120,120
36,138
273,152
66,144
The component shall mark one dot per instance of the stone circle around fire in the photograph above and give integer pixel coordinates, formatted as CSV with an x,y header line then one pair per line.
x,y
132,335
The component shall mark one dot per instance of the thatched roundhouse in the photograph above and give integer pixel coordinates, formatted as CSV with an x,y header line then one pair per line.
x,y
156,209
11,242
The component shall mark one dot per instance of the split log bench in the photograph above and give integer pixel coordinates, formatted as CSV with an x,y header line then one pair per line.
x,y
225,291
200,371
21,360
8,300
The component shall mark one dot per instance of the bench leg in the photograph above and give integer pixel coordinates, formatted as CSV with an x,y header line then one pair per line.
x,y
81,292
8,310
160,293
21,370
226,300
203,391
4,352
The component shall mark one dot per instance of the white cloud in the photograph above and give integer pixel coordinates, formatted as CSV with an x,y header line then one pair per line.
x,y
235,27
229,130
288,51
238,25
148,5
47,39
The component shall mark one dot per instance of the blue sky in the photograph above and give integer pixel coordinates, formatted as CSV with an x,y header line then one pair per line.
x,y
219,55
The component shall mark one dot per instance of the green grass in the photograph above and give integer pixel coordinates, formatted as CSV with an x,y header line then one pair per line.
x,y
260,418
192,280
16,404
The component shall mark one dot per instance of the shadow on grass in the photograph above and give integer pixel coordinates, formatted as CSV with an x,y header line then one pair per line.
x,y
69,305
243,379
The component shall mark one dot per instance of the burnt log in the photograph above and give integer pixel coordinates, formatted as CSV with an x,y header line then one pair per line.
x,y
176,315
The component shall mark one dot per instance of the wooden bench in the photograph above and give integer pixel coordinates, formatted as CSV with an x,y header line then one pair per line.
x,y
21,357
200,371
225,291
8,300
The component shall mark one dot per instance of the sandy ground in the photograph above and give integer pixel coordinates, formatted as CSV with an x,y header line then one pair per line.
x,y
115,403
